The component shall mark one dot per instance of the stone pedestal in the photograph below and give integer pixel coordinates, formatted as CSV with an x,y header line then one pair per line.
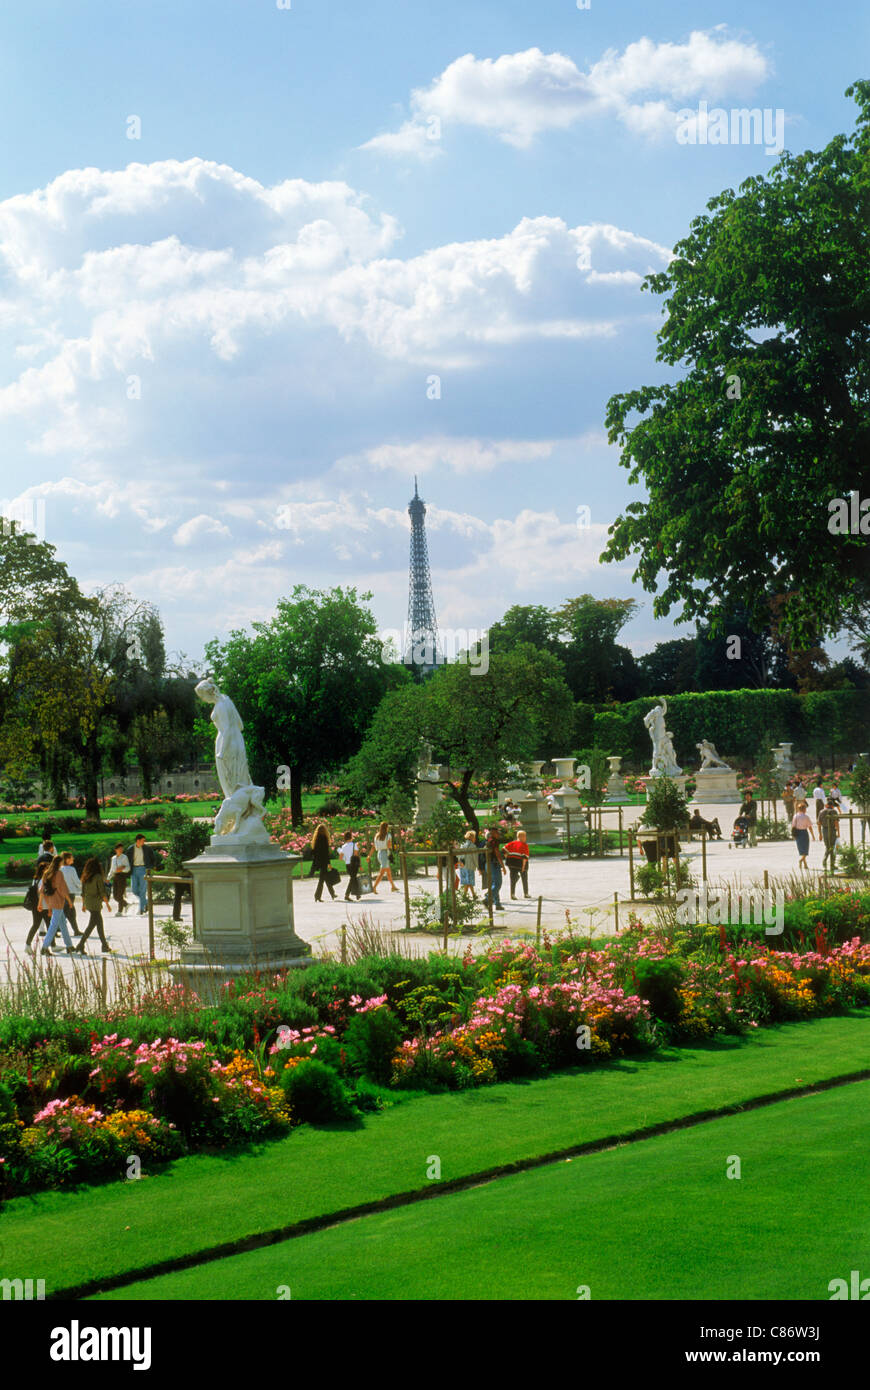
x,y
615,785
428,794
537,822
716,784
243,907
566,799
784,761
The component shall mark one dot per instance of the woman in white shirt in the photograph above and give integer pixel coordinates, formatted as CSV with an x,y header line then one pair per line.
x,y
383,845
74,884
119,870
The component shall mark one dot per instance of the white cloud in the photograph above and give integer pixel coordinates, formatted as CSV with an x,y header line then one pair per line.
x,y
199,526
461,455
518,96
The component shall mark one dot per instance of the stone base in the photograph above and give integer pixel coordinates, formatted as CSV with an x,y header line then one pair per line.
x,y
243,913
537,822
616,790
716,785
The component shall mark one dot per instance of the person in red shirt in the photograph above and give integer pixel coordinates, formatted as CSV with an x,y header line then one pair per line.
x,y
517,860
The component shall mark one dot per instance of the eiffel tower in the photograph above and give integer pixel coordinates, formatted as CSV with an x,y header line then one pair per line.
x,y
422,651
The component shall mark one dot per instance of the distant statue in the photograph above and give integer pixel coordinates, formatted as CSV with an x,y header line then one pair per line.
x,y
425,770
241,811
664,759
709,757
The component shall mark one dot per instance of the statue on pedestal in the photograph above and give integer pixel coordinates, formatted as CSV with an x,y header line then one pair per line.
x,y
664,760
710,759
241,811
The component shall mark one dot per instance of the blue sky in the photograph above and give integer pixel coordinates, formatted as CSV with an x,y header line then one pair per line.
x,y
217,337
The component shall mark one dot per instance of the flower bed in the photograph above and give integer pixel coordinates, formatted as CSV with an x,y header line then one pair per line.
x,y
175,1075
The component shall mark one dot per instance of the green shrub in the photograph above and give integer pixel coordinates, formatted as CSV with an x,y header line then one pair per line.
x,y
658,981
370,1041
446,825
315,1092
185,837
772,829
666,806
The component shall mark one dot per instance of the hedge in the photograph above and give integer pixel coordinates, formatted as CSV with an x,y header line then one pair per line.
x,y
743,724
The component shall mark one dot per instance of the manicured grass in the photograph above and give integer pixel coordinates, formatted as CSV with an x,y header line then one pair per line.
x,y
656,1220
206,1200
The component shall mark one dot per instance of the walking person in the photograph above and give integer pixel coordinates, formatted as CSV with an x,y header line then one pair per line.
x,y
829,829
119,869
788,801
39,918
321,853
53,897
46,853
820,798
142,861
74,884
802,829
383,845
468,853
496,868
95,896
349,851
517,860
749,811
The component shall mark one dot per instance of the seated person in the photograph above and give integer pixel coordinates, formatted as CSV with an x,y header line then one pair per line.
x,y
697,822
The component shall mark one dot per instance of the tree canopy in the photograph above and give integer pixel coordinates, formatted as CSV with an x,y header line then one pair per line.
x,y
306,684
768,314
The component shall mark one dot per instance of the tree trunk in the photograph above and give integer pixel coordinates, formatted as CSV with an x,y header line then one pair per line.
x,y
90,776
464,800
295,796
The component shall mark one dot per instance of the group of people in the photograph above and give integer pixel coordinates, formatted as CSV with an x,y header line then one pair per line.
x,y
471,858
56,884
349,851
796,801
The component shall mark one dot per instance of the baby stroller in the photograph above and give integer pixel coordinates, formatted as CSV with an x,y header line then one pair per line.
x,y
740,833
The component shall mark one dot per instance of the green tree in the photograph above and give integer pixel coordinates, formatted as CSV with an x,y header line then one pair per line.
x,y
306,684
476,724
768,319
597,668
533,624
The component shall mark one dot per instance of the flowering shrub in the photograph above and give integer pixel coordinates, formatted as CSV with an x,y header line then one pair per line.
x,y
291,1047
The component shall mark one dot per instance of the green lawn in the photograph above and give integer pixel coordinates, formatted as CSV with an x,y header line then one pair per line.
x,y
657,1220
203,1201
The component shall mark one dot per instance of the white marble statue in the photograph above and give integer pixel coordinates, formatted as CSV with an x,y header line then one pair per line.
x,y
664,760
241,811
710,759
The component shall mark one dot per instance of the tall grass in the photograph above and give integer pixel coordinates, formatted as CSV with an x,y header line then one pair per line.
x,y
37,988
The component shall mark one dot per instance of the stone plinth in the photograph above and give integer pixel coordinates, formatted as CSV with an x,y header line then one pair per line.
x,y
615,784
784,760
566,799
243,909
537,822
716,784
429,793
